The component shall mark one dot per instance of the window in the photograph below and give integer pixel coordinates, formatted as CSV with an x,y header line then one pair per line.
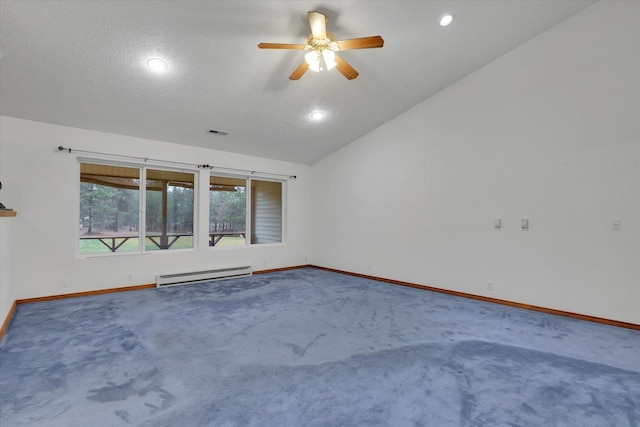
x,y
227,211
169,210
266,209
110,207
129,208
229,202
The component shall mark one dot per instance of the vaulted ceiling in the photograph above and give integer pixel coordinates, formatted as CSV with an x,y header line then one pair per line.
x,y
83,64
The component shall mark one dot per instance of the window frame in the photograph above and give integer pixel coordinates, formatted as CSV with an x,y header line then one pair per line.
x,y
249,211
142,208
283,210
200,224
143,205
246,211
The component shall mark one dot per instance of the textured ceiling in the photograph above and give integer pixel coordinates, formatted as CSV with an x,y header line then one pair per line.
x,y
82,64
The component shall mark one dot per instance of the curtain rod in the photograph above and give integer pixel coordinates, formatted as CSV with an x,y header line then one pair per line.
x,y
201,166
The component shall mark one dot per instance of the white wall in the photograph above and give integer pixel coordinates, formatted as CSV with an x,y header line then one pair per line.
x,y
549,131
42,184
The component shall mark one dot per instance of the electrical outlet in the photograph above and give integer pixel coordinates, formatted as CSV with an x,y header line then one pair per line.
x,y
369,267
129,277
64,282
616,224
489,285
497,223
524,223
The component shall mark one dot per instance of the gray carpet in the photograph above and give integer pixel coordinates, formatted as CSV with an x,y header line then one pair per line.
x,y
310,348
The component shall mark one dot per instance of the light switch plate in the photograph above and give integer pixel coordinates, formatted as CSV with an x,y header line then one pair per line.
x,y
524,223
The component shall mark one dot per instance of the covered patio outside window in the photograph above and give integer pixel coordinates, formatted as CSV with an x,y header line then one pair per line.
x,y
109,208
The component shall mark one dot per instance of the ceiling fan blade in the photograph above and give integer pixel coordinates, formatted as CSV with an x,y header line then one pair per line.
x,y
318,24
361,43
347,70
280,46
298,72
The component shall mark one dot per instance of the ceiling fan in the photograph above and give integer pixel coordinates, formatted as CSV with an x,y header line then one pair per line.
x,y
321,48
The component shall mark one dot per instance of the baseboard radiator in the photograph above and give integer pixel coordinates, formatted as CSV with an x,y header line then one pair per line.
x,y
199,276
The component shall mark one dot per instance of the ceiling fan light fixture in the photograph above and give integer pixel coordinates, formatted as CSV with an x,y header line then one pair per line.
x,y
446,20
320,50
313,60
329,58
320,59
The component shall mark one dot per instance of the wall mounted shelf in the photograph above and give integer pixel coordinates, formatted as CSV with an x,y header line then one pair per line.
x,y
7,213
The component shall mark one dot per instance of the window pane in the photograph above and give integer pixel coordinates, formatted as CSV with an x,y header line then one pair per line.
x,y
266,207
227,211
169,210
109,208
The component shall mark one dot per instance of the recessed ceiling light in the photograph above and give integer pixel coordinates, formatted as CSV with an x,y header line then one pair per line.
x,y
157,65
446,20
317,115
